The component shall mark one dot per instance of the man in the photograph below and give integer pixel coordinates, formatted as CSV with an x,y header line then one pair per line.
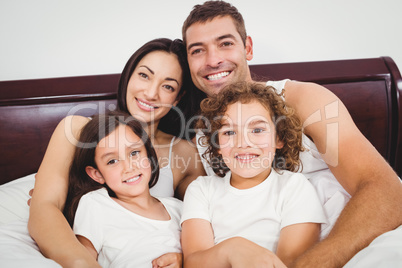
x,y
218,49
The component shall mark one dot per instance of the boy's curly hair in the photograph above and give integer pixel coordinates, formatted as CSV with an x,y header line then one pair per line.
x,y
288,126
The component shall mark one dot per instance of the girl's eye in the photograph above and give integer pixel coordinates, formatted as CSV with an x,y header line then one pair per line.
x,y
134,153
111,162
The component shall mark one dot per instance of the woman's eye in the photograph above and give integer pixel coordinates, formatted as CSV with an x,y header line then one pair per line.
x,y
143,75
169,88
111,162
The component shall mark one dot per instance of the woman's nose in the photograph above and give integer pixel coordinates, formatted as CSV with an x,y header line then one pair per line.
x,y
151,92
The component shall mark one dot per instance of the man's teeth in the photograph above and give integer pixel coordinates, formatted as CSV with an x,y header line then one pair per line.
x,y
133,179
245,157
218,76
147,105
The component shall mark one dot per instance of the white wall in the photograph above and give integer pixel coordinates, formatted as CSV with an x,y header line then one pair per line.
x,y
55,38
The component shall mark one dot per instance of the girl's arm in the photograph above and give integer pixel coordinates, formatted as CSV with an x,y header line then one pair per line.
x,y
199,249
295,239
88,245
47,224
187,166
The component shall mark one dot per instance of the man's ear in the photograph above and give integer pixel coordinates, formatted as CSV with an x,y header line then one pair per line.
x,y
95,174
249,48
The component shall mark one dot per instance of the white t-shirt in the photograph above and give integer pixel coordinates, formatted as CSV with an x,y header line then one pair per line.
x,y
332,195
257,214
123,238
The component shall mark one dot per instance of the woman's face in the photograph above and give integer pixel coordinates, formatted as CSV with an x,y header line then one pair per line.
x,y
154,86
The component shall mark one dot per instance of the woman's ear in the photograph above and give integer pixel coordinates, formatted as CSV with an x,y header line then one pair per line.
x,y
95,174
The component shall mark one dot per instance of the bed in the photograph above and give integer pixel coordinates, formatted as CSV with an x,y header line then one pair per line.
x,y
30,110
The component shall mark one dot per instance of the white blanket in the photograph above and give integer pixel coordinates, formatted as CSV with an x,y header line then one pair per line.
x,y
17,248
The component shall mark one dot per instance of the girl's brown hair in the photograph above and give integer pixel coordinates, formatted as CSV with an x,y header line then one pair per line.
x,y
288,126
99,127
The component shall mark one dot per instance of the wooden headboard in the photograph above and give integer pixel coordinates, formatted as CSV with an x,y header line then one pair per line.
x,y
30,109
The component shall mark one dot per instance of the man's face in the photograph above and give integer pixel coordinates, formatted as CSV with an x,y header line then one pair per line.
x,y
217,55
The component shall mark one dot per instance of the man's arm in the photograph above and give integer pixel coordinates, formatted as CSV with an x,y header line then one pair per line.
x,y
376,203
47,224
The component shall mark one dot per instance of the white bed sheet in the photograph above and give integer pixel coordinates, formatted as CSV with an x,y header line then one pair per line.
x,y
17,248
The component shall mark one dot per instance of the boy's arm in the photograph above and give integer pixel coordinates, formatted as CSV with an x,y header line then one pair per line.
x,y
47,224
295,239
199,249
376,203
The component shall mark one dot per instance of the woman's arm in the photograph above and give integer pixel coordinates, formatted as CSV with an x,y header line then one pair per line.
x,y
375,188
199,249
47,224
186,165
295,239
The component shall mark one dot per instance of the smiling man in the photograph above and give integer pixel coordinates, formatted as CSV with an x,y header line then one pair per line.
x,y
218,49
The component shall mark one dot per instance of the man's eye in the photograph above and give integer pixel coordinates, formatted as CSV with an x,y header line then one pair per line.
x,y
226,44
195,51
111,162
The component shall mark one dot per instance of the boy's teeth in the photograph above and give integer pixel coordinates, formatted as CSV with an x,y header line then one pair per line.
x,y
217,76
246,156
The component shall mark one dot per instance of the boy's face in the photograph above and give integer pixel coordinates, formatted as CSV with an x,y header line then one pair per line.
x,y
247,142
216,54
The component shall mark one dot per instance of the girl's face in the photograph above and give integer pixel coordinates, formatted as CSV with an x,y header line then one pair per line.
x,y
248,142
154,86
122,163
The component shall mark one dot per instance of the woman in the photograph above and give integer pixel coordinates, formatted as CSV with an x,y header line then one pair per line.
x,y
153,81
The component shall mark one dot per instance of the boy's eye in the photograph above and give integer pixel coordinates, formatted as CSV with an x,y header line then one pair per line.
x,y
229,133
257,130
113,161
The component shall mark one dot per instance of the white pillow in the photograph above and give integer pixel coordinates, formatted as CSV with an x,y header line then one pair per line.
x,y
13,199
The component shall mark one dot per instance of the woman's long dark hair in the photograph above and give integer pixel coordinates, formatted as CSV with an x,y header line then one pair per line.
x,y
95,130
189,104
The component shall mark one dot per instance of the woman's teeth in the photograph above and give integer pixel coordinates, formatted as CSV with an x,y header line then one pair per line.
x,y
146,105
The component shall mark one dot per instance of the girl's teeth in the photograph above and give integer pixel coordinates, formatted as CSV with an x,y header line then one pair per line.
x,y
133,179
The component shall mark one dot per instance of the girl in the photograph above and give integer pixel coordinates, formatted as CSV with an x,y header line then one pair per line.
x,y
155,79
117,219
259,207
